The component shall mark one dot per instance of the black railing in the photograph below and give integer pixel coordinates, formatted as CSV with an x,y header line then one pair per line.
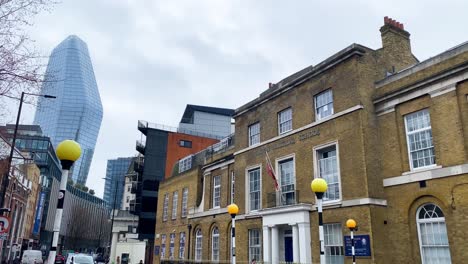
x,y
139,164
140,146
282,198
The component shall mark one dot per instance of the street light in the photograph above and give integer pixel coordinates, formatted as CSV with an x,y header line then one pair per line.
x,y
233,209
319,187
352,225
68,151
5,180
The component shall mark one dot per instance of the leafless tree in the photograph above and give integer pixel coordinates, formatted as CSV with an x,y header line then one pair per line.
x,y
21,67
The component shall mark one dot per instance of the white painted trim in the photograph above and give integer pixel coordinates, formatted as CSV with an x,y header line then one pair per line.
x,y
247,186
434,173
294,131
208,170
405,117
215,211
316,172
277,161
438,88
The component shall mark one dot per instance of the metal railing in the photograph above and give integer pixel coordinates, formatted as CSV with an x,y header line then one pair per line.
x,y
142,125
280,198
140,146
200,158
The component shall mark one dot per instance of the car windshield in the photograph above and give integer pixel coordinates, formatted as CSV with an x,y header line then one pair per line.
x,y
83,260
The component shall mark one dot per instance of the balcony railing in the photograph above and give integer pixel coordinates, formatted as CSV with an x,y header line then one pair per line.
x,y
144,125
282,198
136,188
200,158
141,146
139,164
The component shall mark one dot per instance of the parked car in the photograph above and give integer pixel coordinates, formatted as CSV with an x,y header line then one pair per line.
x,y
79,259
32,257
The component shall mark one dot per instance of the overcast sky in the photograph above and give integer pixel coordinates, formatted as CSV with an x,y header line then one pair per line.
x,y
151,58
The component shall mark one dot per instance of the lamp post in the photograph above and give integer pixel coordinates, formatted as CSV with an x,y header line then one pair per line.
x,y
68,151
5,180
319,187
352,225
233,209
117,183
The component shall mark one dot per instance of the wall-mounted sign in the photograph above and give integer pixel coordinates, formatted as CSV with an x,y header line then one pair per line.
x,y
361,246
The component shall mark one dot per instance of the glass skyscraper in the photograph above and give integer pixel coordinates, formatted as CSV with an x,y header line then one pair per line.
x,y
76,113
115,177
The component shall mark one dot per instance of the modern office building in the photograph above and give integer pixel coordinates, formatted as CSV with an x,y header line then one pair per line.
x,y
115,181
208,120
76,113
163,148
388,133
85,215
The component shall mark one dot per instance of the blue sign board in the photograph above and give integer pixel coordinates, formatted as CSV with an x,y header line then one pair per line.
x,y
361,246
156,250
39,209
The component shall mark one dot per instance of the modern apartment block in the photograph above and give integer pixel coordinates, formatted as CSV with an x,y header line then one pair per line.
x,y
387,132
162,148
76,113
115,181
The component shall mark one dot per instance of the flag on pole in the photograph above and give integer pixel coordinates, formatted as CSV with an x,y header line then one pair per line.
x,y
271,171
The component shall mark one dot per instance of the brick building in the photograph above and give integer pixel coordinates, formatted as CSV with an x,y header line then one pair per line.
x,y
387,132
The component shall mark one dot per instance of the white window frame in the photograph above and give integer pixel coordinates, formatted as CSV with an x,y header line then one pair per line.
x,y
278,174
325,227
184,202
317,171
175,202
407,134
215,242
185,164
198,245
289,120
171,246
255,247
182,237
163,246
165,206
247,187
216,192
254,136
430,221
233,185
317,116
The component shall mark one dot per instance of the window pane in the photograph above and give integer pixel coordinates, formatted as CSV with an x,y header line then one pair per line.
x,y
255,245
419,137
328,170
254,189
433,237
285,120
288,180
324,104
333,240
254,134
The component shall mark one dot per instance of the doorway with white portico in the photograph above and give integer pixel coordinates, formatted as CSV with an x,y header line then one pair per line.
x,y
286,234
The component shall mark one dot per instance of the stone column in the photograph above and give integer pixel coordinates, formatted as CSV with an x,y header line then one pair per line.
x,y
274,244
305,248
296,250
266,244
112,257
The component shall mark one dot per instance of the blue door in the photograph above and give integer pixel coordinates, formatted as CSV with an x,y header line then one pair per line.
x,y
288,249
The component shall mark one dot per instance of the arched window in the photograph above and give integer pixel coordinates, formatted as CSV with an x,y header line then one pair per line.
x,y
432,232
198,245
215,244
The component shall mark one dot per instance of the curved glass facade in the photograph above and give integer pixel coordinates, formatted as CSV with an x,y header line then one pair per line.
x,y
77,112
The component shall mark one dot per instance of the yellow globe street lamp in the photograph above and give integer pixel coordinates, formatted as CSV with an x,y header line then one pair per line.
x,y
352,225
319,186
233,210
68,151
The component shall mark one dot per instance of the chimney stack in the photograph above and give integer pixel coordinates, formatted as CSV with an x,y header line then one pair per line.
x,y
396,46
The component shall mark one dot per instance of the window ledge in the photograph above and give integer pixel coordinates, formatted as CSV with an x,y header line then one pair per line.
x,y
427,168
